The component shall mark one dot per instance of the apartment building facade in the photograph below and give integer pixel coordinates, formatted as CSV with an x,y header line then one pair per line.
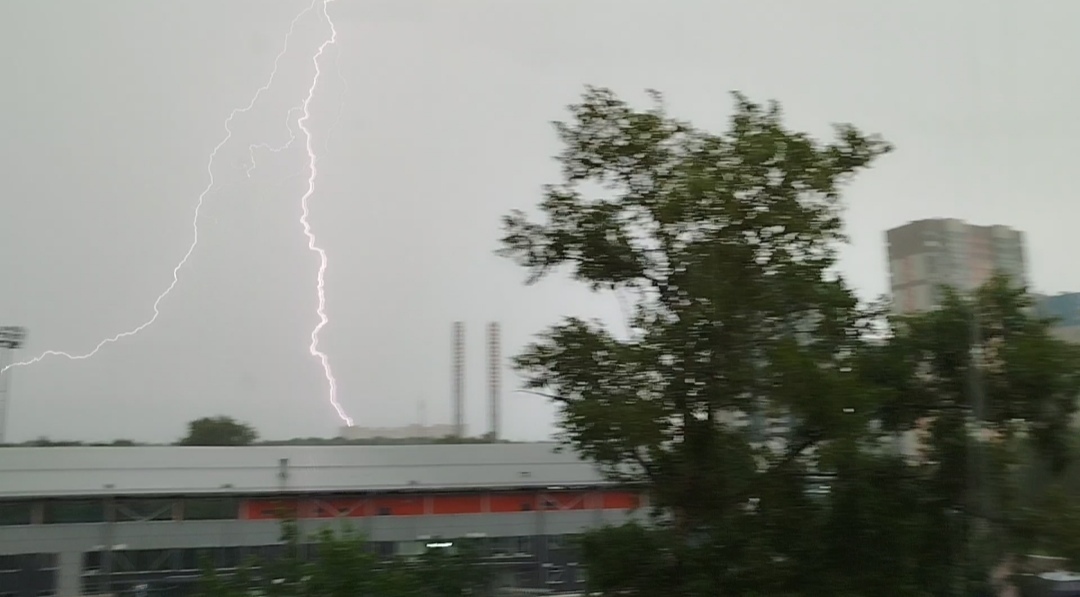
x,y
927,254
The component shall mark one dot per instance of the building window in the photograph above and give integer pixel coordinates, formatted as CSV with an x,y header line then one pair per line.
x,y
211,509
195,558
226,558
74,511
191,559
507,546
15,513
141,510
385,549
147,560
91,561
555,575
46,561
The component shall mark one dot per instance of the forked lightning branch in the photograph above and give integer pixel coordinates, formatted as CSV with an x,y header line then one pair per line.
x,y
317,9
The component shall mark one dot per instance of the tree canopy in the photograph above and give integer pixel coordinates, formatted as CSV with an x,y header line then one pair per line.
x,y
219,431
727,243
725,246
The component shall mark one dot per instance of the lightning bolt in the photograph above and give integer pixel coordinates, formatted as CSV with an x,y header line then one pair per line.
x,y
320,286
272,148
201,200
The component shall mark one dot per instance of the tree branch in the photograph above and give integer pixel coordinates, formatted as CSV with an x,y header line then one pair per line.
x,y
543,395
646,466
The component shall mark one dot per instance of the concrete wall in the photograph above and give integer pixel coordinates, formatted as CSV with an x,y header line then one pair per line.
x,y
60,538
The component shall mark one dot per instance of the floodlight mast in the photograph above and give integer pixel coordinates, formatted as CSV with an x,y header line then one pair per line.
x,y
12,338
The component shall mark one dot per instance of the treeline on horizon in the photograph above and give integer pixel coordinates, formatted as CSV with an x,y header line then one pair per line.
x,y
223,431
44,442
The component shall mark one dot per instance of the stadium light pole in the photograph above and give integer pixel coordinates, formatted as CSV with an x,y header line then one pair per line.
x,y
12,338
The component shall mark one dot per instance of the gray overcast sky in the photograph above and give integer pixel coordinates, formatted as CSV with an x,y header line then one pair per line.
x,y
108,111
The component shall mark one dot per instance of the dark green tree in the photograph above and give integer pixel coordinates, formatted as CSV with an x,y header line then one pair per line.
x,y
994,394
286,576
629,558
725,246
219,431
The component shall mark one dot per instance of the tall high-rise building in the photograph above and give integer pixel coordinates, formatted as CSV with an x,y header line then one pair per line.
x,y
928,254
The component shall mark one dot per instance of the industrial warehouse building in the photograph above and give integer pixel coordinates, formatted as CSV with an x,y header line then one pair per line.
x,y
84,521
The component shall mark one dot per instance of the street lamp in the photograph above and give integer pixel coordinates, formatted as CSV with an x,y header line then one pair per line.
x,y
12,338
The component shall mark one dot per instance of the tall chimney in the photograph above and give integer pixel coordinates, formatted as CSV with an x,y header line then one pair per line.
x,y
494,377
459,378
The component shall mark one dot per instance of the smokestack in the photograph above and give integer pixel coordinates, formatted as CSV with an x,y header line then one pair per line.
x,y
494,377
459,378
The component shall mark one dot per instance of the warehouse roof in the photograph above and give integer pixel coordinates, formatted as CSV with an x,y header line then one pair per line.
x,y
174,470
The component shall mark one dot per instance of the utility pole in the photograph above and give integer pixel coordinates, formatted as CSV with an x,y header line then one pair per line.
x,y
12,338
494,380
458,387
